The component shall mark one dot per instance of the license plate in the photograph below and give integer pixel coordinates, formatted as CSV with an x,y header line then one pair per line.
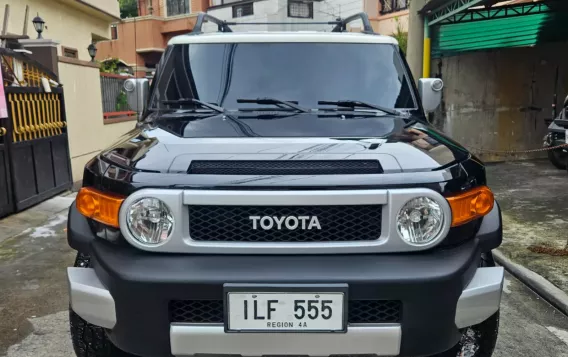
x,y
257,309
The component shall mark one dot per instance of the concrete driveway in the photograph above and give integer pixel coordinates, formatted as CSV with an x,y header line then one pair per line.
x,y
534,199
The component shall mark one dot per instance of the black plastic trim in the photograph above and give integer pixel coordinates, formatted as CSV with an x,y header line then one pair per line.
x,y
79,233
490,233
428,284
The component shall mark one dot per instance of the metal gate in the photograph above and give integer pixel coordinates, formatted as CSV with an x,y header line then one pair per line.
x,y
34,150
6,203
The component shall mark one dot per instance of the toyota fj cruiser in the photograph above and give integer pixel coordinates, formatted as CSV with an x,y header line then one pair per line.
x,y
284,194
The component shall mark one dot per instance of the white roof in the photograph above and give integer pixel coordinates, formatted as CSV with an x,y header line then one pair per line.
x,y
290,36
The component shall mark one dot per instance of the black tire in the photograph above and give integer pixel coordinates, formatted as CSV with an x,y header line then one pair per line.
x,y
558,158
90,340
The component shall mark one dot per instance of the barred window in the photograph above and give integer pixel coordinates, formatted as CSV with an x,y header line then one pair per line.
x,y
243,10
114,32
389,6
301,9
177,7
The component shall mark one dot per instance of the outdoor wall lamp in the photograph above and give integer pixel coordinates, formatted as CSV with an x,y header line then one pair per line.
x,y
92,51
39,25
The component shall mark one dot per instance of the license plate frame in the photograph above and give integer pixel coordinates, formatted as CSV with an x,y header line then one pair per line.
x,y
285,288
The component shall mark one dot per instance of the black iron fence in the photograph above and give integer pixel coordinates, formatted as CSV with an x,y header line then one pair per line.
x,y
34,151
114,99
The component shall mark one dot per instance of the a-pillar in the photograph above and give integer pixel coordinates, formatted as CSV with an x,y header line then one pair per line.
x,y
416,40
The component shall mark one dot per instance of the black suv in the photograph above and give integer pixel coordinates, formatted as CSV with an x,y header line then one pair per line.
x,y
284,194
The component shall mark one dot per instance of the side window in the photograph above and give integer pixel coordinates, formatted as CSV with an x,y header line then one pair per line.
x,y
243,10
177,7
301,9
389,6
164,75
114,32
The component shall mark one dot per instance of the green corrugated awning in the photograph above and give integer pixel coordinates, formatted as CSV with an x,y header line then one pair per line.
x,y
517,31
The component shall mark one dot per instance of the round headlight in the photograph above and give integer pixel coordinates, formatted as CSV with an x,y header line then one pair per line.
x,y
150,221
420,221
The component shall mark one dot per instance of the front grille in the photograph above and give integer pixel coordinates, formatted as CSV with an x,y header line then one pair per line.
x,y
374,311
279,167
196,311
359,311
234,223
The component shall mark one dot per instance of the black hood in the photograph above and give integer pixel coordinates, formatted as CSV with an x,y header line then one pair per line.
x,y
170,145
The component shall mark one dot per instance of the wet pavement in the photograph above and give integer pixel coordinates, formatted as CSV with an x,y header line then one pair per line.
x,y
33,296
534,201
32,272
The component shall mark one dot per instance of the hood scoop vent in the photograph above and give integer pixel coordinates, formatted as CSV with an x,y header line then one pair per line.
x,y
280,167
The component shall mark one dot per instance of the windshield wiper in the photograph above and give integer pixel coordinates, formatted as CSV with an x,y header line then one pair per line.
x,y
359,104
274,101
194,101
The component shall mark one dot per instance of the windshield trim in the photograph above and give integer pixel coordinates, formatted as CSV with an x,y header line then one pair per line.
x,y
408,75
152,100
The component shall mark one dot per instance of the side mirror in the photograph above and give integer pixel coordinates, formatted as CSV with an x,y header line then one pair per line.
x,y
430,90
137,92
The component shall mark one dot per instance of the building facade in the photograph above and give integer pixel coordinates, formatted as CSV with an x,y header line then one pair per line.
x,y
385,15
74,24
70,27
139,42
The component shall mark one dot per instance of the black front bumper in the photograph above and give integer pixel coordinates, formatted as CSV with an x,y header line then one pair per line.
x,y
142,284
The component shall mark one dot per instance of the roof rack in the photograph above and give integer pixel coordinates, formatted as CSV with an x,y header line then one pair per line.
x,y
340,24
222,26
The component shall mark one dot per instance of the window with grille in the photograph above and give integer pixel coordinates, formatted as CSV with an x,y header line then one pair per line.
x,y
177,7
114,32
243,10
301,9
389,6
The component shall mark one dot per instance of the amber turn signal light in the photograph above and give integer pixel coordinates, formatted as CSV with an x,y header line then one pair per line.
x,y
101,207
471,205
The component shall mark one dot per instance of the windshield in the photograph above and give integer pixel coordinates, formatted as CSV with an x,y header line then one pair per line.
x,y
301,72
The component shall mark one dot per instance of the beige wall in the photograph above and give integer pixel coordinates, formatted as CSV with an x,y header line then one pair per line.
x,y
71,26
387,24
88,135
74,24
144,33
110,6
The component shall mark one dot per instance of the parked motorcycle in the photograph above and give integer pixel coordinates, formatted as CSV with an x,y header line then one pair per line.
x,y
557,135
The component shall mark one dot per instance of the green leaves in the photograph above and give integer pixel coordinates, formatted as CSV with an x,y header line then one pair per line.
x,y
110,65
128,8
400,35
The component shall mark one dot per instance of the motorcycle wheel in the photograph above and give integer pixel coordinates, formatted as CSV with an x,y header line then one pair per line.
x,y
558,158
